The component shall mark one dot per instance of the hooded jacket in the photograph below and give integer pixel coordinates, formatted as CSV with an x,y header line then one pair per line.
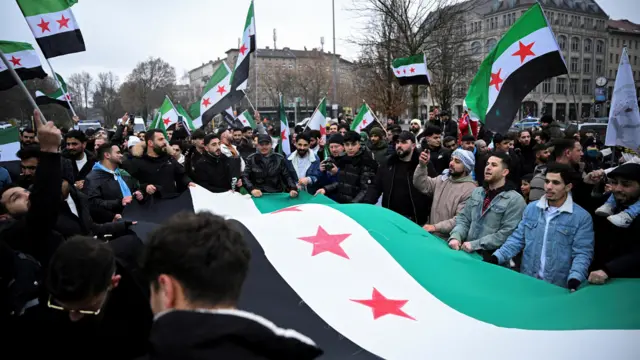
x,y
268,174
225,334
380,151
163,172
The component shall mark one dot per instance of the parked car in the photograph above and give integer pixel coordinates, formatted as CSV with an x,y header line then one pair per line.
x,y
526,123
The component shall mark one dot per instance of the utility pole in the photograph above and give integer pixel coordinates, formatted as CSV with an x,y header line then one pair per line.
x,y
335,60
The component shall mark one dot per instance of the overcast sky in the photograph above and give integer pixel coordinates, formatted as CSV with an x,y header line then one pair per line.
x,y
186,33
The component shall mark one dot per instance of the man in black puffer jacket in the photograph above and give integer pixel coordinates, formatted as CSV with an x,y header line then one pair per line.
x,y
266,171
214,171
356,172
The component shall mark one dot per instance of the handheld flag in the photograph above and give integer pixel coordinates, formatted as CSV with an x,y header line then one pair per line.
x,y
247,47
24,60
218,94
411,70
58,97
525,56
247,120
364,120
623,128
318,119
53,25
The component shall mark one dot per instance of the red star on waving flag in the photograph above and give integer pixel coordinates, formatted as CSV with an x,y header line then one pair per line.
x,y
382,306
323,242
364,122
283,135
206,102
68,96
166,121
243,49
44,25
398,72
15,61
412,70
289,209
496,80
323,131
221,90
404,71
64,22
524,51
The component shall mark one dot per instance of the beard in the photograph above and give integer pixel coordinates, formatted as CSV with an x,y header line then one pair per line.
x,y
158,150
303,153
402,153
454,173
415,130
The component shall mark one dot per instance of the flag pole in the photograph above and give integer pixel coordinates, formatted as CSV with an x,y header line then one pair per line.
x,y
22,86
255,36
55,76
249,100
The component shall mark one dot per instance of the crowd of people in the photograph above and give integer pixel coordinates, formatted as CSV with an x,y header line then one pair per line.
x,y
74,276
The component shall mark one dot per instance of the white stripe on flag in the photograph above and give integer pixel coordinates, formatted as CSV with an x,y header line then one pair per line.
x,y
405,70
52,23
8,151
22,59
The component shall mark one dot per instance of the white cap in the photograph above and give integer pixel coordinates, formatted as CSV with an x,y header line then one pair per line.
x,y
133,140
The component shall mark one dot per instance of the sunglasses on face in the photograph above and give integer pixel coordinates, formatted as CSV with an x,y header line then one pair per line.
x,y
83,312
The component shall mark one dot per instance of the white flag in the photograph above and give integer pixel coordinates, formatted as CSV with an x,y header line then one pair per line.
x,y
624,118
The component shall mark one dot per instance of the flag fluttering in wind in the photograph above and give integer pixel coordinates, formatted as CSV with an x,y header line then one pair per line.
x,y
525,56
53,25
9,145
359,279
247,120
623,128
186,118
247,47
364,120
169,115
318,119
285,132
59,97
411,70
218,94
24,60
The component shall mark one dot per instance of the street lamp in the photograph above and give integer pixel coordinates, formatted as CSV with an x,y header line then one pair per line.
x,y
335,59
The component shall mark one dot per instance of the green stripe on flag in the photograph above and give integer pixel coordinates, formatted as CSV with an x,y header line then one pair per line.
x,y
9,47
530,21
37,7
219,75
414,59
249,16
9,135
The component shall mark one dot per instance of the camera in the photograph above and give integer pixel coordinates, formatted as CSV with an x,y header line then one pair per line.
x,y
328,165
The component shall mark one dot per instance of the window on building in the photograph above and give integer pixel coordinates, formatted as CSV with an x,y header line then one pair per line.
x,y
586,86
599,67
618,43
561,86
586,66
574,87
617,58
599,47
574,65
611,58
610,74
609,92
491,43
561,111
546,86
476,48
587,45
611,42
624,43
575,44
635,60
504,20
562,42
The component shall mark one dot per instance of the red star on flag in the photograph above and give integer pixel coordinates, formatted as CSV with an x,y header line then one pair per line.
x,y
323,242
382,306
283,135
412,70
289,209
404,71
221,90
206,102
496,80
44,25
68,96
64,22
323,131
166,121
524,51
15,61
243,49
398,72
364,122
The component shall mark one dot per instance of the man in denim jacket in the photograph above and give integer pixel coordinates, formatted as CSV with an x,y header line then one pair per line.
x,y
492,212
556,234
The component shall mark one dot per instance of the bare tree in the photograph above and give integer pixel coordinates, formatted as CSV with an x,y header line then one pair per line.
x,y
276,81
16,109
106,97
313,77
80,87
147,85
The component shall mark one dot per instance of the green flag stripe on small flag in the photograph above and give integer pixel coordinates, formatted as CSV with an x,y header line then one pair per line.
x,y
247,120
525,56
218,94
247,47
53,25
9,144
187,119
363,120
24,59
411,70
59,97
318,119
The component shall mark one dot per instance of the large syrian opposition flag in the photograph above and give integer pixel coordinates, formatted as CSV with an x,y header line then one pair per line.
x,y
218,94
318,119
53,25
285,132
411,70
525,56
247,47
24,59
623,128
366,283
59,97
364,120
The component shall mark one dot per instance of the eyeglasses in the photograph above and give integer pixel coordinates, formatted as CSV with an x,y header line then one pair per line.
x,y
83,312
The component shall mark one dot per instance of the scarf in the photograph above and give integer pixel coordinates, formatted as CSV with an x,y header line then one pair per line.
x,y
117,175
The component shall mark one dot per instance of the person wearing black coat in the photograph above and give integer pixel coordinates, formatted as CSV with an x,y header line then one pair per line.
x,y
82,160
394,181
266,171
157,171
214,170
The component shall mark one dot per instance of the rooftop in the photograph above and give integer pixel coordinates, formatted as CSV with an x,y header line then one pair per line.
x,y
623,25
581,6
289,53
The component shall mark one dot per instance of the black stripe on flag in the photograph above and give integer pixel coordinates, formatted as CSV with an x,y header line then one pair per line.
x,y
234,97
413,80
67,42
518,85
264,292
7,81
45,100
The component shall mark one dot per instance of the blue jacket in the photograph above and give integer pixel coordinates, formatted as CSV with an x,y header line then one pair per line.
x,y
569,243
5,178
313,172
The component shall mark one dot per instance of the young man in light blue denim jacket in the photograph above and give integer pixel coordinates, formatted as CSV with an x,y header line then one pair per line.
x,y
555,233
492,212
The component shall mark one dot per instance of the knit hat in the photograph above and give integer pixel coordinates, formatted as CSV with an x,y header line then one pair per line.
x,y
133,141
467,158
336,139
376,131
416,121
